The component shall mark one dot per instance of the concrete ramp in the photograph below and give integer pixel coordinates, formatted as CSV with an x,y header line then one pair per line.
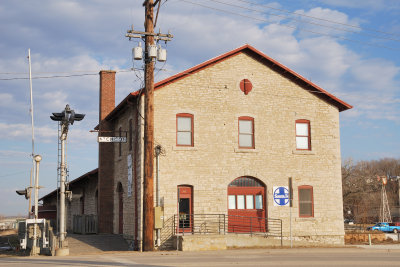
x,y
92,244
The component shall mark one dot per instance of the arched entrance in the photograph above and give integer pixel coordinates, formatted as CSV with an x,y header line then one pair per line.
x,y
246,205
120,192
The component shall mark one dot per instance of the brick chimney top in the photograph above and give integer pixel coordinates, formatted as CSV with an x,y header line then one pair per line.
x,y
107,93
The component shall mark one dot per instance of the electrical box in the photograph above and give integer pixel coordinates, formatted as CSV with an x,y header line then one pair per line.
x,y
161,54
158,217
152,51
137,52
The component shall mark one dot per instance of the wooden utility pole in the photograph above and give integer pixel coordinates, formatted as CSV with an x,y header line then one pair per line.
x,y
148,203
148,180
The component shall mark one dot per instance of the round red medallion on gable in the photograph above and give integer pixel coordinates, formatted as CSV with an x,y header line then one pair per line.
x,y
246,86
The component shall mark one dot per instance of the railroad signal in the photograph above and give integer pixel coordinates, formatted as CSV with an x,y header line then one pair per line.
x,y
68,116
25,192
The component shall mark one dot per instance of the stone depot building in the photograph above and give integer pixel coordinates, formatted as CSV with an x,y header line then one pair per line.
x,y
229,132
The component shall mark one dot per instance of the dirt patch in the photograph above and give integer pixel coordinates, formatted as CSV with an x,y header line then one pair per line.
x,y
9,246
363,238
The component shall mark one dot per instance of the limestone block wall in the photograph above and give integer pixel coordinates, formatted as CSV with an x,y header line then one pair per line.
x,y
82,194
213,96
125,154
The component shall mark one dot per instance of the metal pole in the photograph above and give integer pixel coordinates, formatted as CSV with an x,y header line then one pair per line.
x,y
291,241
33,133
290,180
158,201
37,159
30,193
281,235
30,86
62,188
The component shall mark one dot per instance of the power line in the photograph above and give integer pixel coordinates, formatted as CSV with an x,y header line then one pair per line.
x,y
308,22
59,76
53,72
292,27
11,174
317,18
49,77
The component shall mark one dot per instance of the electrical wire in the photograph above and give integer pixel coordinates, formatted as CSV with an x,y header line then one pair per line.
x,y
56,76
308,22
292,27
12,174
321,19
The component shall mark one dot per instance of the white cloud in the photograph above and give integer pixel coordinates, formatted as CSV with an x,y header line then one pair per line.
x,y
326,15
24,131
376,74
374,4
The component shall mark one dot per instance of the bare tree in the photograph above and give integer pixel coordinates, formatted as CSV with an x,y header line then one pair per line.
x,y
362,188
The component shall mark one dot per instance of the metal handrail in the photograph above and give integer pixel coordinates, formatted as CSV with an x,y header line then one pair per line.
x,y
225,224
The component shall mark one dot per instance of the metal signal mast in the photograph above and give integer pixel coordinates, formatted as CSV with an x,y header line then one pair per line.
x,y
65,118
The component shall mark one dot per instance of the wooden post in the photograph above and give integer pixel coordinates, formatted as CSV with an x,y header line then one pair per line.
x,y
148,203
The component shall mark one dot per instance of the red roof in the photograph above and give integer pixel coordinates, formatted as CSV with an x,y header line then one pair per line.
x,y
308,85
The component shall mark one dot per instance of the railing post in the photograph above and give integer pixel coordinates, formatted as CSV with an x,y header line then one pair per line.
x,y
224,225
173,227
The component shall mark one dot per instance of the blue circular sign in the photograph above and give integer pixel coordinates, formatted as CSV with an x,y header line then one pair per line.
x,y
281,196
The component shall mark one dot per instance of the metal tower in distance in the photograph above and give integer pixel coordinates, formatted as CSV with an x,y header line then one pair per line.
x,y
384,214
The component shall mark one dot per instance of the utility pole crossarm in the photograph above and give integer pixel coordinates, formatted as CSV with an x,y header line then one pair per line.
x,y
157,36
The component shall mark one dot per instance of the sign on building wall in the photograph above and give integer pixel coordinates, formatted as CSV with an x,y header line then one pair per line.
x,y
111,139
281,196
129,158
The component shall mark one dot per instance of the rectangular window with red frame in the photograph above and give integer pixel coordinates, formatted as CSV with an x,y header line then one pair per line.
x,y
246,132
306,201
184,129
303,135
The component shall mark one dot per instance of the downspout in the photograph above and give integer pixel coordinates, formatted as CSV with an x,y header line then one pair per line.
x,y
158,151
135,154
140,219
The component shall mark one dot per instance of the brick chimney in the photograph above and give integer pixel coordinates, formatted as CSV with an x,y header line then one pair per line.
x,y
107,93
106,153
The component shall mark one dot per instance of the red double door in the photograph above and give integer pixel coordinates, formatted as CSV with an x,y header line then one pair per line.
x,y
246,209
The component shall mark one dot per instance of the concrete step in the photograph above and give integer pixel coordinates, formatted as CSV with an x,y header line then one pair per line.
x,y
89,244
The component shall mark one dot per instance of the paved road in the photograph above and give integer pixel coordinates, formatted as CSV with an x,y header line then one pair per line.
x,y
246,257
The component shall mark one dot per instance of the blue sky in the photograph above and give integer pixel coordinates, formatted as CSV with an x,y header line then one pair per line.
x,y
349,48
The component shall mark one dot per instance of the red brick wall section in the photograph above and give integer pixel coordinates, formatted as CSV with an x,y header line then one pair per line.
x,y
106,154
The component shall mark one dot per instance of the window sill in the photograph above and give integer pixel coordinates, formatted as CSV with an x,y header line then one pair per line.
x,y
245,150
184,148
303,152
305,219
